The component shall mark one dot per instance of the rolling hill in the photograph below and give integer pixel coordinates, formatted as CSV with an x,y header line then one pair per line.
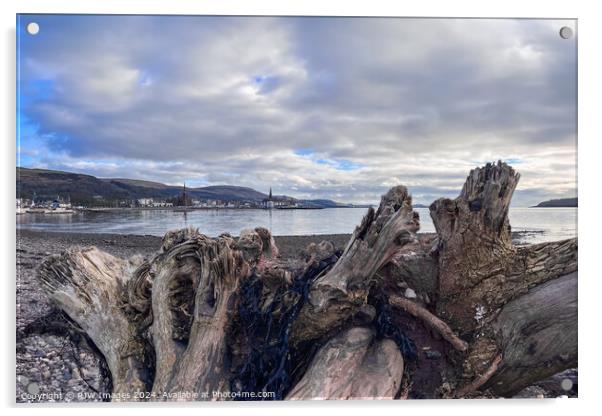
x,y
89,190
558,203
81,188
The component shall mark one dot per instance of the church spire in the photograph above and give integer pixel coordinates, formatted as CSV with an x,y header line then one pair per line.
x,y
270,197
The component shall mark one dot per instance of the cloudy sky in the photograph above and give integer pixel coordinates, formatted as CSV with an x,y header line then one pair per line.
x,y
341,108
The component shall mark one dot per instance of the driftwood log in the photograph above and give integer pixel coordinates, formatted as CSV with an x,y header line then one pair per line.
x,y
462,313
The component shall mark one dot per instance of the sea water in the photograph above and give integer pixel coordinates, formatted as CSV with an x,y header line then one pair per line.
x,y
537,224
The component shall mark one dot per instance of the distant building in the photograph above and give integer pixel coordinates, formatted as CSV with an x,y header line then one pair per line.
x,y
145,202
162,204
278,202
269,202
60,203
182,200
20,206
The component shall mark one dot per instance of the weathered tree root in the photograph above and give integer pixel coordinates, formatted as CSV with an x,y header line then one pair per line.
x,y
352,365
431,320
215,270
481,274
537,334
176,325
335,297
87,284
480,380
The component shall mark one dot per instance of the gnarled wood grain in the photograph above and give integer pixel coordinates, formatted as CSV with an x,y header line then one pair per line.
x,y
87,284
335,297
353,365
537,333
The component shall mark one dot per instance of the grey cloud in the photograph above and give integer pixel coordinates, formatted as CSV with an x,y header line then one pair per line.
x,y
230,100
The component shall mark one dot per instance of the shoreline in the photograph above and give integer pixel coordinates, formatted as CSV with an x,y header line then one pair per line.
x,y
126,245
144,240
192,208
32,232
197,208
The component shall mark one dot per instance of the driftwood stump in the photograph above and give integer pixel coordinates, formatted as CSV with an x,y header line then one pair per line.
x,y
226,318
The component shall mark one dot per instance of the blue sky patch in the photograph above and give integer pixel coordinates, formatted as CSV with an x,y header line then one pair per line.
x,y
304,152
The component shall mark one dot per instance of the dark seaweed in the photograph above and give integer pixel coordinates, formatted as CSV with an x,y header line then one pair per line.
x,y
268,367
386,329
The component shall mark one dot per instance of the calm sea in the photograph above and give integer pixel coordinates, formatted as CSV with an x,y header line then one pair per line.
x,y
542,224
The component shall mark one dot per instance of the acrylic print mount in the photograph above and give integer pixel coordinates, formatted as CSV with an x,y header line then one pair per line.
x,y
295,208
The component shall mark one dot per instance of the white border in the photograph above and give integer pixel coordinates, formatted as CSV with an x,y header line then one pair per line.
x,y
589,221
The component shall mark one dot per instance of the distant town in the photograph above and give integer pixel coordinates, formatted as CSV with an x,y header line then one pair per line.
x,y
51,191
62,205
43,191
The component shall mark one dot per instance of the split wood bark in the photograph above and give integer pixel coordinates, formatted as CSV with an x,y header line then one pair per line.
x,y
537,333
335,297
215,271
87,285
481,273
352,365
474,241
